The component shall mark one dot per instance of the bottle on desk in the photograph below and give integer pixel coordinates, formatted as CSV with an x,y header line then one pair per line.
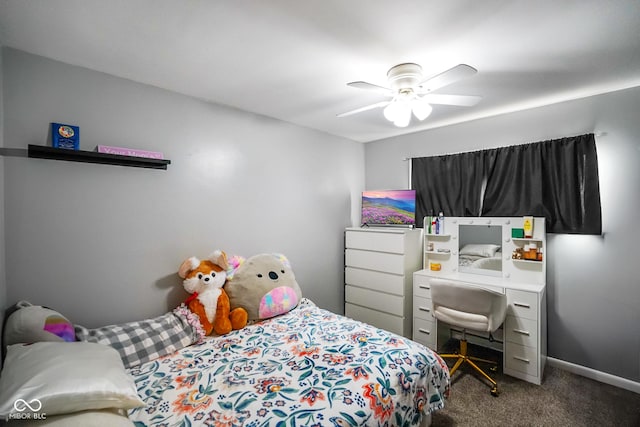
x,y
428,223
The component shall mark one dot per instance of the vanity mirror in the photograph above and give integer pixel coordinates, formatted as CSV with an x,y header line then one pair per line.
x,y
485,246
480,249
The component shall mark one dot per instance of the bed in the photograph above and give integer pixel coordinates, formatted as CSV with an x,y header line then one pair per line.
x,y
309,367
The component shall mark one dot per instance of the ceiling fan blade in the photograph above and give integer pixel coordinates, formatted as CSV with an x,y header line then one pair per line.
x,y
365,108
371,86
461,100
445,78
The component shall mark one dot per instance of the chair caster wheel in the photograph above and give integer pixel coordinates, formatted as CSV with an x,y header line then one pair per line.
x,y
494,392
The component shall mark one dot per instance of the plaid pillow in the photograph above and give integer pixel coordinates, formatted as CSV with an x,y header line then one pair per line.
x,y
140,342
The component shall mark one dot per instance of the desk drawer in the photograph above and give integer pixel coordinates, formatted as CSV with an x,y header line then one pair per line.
x,y
378,261
521,358
422,308
376,280
372,241
421,286
380,320
391,304
424,332
522,304
521,331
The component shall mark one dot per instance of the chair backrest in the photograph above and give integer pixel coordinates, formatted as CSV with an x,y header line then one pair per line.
x,y
470,307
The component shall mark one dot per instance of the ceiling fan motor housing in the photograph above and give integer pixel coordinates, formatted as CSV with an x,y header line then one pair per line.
x,y
404,76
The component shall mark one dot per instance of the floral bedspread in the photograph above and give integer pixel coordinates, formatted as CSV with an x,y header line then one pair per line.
x,y
309,367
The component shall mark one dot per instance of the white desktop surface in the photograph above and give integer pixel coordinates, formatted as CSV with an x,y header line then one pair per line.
x,y
490,282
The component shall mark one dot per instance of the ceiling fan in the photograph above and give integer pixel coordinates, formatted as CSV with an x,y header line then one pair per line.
x,y
411,92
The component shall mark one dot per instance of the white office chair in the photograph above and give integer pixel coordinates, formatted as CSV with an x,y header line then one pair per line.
x,y
470,308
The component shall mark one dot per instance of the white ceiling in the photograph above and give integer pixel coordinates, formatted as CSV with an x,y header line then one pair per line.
x,y
291,59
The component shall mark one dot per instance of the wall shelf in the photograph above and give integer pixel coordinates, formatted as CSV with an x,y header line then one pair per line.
x,y
526,261
526,239
442,241
44,152
437,253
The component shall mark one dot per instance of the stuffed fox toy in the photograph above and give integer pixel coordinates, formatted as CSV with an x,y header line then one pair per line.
x,y
204,280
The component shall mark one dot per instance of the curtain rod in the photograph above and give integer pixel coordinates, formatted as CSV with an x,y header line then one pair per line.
x,y
599,134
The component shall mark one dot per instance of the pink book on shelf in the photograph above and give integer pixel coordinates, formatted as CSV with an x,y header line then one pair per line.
x,y
129,152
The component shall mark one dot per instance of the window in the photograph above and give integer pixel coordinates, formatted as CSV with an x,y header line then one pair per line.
x,y
556,179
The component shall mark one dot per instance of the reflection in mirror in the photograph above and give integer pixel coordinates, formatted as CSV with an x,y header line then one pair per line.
x,y
480,250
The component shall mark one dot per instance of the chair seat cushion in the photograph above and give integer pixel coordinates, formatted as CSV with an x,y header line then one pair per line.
x,y
476,322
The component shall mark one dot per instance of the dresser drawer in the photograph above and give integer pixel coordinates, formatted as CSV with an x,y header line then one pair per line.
x,y
421,286
424,332
378,261
521,331
422,308
522,304
376,280
521,358
372,241
391,304
380,320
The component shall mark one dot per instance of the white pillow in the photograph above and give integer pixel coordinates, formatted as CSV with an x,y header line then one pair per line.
x,y
486,251
64,377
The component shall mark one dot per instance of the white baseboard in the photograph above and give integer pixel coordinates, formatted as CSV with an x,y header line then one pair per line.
x,y
603,377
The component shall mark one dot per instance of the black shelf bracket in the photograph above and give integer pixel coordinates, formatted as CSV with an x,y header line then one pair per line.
x,y
44,152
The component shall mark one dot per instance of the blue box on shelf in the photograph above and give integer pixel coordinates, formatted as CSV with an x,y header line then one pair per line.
x,y
65,136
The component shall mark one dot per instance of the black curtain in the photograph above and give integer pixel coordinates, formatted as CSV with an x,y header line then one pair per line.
x,y
450,184
514,182
555,179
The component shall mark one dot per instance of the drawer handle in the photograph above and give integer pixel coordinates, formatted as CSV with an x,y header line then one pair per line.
x,y
424,309
427,287
521,304
424,331
522,359
520,331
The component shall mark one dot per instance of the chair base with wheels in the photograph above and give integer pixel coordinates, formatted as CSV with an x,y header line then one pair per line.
x,y
463,357
470,308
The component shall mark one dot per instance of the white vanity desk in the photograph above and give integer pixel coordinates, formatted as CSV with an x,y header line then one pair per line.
x,y
523,338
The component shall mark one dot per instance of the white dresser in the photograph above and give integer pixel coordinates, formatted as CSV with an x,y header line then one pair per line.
x,y
379,263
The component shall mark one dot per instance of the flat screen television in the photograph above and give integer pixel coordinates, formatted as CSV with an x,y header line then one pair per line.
x,y
389,208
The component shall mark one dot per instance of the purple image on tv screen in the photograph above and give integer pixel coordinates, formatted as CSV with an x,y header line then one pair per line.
x,y
389,207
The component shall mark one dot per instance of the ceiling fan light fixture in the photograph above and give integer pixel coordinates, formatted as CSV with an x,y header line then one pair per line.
x,y
421,108
403,121
391,110
399,112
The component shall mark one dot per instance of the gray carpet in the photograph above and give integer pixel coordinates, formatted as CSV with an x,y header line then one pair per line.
x,y
563,399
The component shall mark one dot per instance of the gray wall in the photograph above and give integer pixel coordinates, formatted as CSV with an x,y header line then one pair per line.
x,y
593,289
103,243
